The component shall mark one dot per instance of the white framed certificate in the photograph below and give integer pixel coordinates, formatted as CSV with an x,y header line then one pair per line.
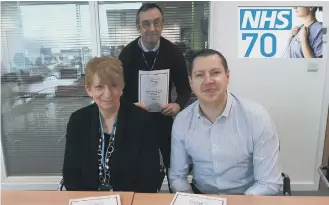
x,y
153,89
101,200
196,199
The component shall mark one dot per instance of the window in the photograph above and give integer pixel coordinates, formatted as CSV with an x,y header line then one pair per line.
x,y
185,24
44,49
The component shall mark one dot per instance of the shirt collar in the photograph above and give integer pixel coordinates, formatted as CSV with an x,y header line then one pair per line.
x,y
140,43
226,111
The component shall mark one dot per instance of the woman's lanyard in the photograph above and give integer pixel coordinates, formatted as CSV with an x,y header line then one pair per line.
x,y
112,136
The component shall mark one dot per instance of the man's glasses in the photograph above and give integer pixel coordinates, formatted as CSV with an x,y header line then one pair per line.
x,y
148,24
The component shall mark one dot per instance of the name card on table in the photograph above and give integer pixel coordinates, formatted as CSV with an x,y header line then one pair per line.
x,y
195,199
102,200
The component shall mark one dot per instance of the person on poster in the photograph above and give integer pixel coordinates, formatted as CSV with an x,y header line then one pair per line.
x,y
152,52
306,40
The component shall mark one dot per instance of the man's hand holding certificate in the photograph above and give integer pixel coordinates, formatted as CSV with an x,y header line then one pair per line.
x,y
153,89
195,199
102,200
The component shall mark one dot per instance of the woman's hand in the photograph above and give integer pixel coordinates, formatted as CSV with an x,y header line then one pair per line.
x,y
304,32
294,31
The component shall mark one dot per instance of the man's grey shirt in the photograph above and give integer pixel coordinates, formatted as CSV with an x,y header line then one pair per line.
x,y
238,154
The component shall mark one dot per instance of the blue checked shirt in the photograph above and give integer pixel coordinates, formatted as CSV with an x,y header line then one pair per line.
x,y
238,154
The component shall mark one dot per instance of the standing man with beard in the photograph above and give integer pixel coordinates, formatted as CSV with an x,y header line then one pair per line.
x,y
151,52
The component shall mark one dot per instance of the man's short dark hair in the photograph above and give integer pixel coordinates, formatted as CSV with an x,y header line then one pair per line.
x,y
205,53
146,7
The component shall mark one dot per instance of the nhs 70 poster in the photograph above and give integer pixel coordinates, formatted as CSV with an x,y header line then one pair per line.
x,y
267,32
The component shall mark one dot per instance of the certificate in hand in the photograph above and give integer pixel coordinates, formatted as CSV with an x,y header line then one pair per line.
x,y
195,199
102,200
153,89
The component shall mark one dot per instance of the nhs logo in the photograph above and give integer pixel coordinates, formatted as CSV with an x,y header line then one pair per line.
x,y
260,28
265,19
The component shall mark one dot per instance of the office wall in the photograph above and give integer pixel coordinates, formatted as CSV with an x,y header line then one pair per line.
x,y
325,158
296,98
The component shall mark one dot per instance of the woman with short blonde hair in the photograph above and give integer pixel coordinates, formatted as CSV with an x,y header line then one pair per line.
x,y
106,150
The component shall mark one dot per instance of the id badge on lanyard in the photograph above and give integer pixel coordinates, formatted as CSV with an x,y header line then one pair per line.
x,y
105,187
105,156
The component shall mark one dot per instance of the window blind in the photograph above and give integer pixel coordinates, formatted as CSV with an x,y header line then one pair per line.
x,y
185,24
44,49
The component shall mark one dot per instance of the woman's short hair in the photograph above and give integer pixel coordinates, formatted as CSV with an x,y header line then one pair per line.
x,y
108,69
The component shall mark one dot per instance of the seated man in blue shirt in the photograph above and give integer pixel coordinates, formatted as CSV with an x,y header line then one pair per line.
x,y
231,142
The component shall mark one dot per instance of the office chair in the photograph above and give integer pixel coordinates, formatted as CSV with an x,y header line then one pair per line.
x,y
61,185
163,173
286,183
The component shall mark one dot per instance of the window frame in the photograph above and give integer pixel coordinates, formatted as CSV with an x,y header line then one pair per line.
x,y
52,182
